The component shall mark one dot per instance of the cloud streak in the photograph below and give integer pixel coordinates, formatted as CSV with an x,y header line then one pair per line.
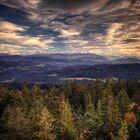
x,y
104,27
11,35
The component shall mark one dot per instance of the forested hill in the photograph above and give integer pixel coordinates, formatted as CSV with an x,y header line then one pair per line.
x,y
93,111
57,68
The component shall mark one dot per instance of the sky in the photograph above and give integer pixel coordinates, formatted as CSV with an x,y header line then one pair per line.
x,y
103,27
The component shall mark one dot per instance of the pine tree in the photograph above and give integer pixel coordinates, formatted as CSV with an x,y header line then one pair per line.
x,y
123,132
123,101
26,95
111,113
65,125
17,122
99,121
136,97
89,117
46,125
34,114
89,106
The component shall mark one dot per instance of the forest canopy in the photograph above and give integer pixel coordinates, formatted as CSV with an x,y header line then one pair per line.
x,y
102,110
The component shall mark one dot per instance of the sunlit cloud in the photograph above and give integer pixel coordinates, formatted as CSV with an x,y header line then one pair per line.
x,y
9,27
68,33
12,34
112,31
104,27
9,49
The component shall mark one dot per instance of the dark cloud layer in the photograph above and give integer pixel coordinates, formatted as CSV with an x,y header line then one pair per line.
x,y
75,4
107,27
67,4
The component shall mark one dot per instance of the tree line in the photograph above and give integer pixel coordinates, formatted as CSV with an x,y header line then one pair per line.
x,y
102,110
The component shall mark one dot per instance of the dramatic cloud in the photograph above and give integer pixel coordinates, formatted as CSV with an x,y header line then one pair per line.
x,y
11,35
106,27
9,27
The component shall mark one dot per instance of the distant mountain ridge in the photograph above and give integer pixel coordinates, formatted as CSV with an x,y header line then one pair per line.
x,y
69,57
53,68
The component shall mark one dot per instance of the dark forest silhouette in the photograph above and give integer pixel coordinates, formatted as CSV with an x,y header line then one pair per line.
x,y
102,110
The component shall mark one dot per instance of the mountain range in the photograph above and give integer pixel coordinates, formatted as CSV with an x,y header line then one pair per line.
x,y
56,68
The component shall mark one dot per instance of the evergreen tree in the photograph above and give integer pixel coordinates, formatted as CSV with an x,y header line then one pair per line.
x,y
16,122
46,124
65,125
89,117
123,132
123,101
136,97
98,88
99,121
111,113
89,106
34,114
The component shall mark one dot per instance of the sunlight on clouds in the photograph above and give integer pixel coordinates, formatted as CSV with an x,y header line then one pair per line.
x,y
69,33
25,40
112,32
76,42
105,27
18,4
33,2
131,49
10,27
11,33
9,49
